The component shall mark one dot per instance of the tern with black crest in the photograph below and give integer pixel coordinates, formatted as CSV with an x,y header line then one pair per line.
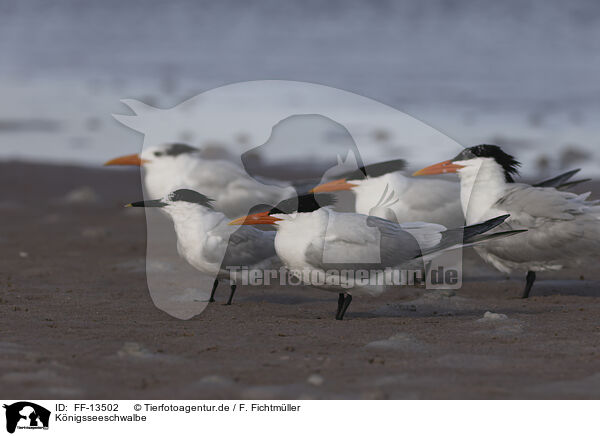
x,y
563,227
208,243
313,238
171,166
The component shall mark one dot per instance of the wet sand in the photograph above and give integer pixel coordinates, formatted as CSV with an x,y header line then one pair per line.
x,y
77,321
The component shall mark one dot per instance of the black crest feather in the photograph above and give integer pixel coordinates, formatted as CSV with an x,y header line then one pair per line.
x,y
176,149
374,170
304,203
190,196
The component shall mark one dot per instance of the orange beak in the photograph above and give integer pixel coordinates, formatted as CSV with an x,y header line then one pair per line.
x,y
130,159
336,185
445,167
257,218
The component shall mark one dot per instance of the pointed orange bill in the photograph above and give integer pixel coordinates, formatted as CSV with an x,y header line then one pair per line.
x,y
335,185
439,168
257,218
130,159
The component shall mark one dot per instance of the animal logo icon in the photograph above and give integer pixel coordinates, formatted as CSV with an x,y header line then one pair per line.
x,y
26,415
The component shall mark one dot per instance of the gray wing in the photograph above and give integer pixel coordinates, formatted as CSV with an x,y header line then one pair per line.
x,y
561,225
396,246
248,246
528,202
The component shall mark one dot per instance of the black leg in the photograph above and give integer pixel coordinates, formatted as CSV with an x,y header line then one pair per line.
x,y
233,286
427,270
528,283
212,293
345,305
340,305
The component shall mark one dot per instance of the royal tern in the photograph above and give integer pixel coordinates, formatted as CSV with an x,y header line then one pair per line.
x,y
563,227
312,237
208,243
387,193
171,166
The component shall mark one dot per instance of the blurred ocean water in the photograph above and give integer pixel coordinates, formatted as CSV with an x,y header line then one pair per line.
x,y
524,74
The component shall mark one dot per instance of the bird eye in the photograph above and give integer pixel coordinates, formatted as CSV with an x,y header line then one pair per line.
x,y
157,153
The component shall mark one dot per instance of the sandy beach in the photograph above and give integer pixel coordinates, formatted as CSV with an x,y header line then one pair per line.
x,y
77,321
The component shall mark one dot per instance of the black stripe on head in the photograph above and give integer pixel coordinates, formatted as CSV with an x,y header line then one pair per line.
x,y
190,196
176,149
303,203
505,160
374,170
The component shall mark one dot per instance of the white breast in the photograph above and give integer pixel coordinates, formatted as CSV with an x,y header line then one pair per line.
x,y
295,234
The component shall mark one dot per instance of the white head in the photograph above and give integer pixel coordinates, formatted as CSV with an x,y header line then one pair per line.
x,y
164,155
484,171
352,180
473,159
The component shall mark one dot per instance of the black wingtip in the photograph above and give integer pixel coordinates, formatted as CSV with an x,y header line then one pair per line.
x,y
567,185
558,181
572,172
488,237
500,219
477,229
